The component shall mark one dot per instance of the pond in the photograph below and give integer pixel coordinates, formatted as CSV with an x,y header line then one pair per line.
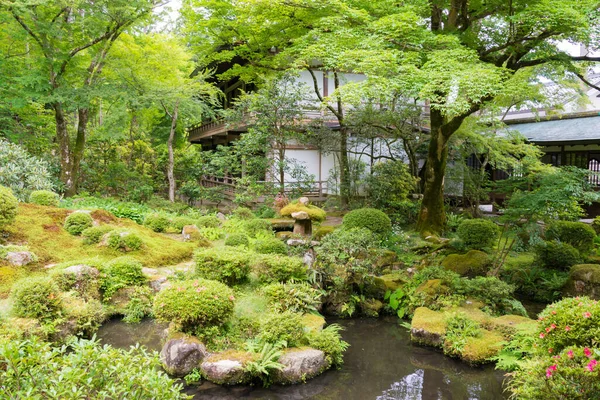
x,y
381,364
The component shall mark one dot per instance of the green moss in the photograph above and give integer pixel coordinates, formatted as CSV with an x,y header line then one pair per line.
x,y
323,231
390,281
281,223
315,213
478,350
430,321
585,272
433,287
313,322
474,263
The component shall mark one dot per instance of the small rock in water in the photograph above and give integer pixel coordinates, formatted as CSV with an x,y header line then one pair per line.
x,y
299,365
223,372
181,355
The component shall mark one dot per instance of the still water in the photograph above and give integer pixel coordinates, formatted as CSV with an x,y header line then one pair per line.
x,y
381,364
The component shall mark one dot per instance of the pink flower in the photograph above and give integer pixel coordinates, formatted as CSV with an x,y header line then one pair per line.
x,y
553,326
180,289
587,314
195,283
556,357
232,298
542,335
548,330
550,350
587,352
550,370
567,328
553,312
591,365
570,353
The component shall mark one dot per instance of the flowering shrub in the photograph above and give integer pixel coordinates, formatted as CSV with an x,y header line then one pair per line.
x,y
228,265
194,303
572,321
572,374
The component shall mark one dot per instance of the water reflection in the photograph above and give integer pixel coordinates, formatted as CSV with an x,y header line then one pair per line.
x,y
381,364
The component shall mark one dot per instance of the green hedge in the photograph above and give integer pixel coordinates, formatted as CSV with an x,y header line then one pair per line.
x,y
44,198
478,233
228,265
577,234
374,220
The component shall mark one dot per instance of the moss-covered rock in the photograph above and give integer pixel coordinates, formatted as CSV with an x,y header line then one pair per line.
x,y
428,327
389,282
473,263
584,280
300,364
371,307
313,322
477,350
226,368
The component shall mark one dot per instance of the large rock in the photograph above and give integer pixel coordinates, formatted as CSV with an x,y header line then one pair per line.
x,y
300,365
84,280
20,258
300,215
191,233
224,370
474,263
428,327
180,355
304,201
584,280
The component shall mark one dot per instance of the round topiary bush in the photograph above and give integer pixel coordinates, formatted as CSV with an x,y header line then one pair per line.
x,y
179,222
374,220
478,233
77,222
157,222
44,198
124,241
194,303
254,226
270,246
557,255
237,239
121,272
243,213
577,234
227,265
278,268
8,206
209,221
94,234
284,327
36,297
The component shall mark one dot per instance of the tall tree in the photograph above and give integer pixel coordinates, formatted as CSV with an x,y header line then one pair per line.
x,y
160,72
72,41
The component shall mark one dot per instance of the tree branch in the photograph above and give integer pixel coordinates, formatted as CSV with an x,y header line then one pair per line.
x,y
590,84
319,96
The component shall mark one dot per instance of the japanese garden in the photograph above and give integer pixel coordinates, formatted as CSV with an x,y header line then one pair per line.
x,y
299,199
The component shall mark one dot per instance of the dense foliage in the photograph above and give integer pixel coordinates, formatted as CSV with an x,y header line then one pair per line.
x,y
36,297
8,206
193,304
478,233
577,234
230,266
370,218
22,172
44,198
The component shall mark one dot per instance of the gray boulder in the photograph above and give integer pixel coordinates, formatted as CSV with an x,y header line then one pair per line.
x,y
180,355
300,365
224,372
20,258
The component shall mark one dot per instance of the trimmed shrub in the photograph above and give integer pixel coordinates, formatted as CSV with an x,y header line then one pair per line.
x,y
94,234
44,198
374,220
237,239
179,222
124,241
323,231
557,255
270,246
8,206
208,221
36,297
194,303
77,222
296,297
478,233
255,226
230,266
121,272
157,222
243,213
277,328
278,268
577,234
314,212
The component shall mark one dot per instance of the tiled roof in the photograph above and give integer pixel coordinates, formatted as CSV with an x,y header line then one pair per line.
x,y
584,129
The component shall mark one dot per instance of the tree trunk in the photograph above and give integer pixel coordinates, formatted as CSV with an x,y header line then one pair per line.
x,y
64,146
171,166
432,216
83,115
344,168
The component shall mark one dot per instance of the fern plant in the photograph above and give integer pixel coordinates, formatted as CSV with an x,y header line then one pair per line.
x,y
266,361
